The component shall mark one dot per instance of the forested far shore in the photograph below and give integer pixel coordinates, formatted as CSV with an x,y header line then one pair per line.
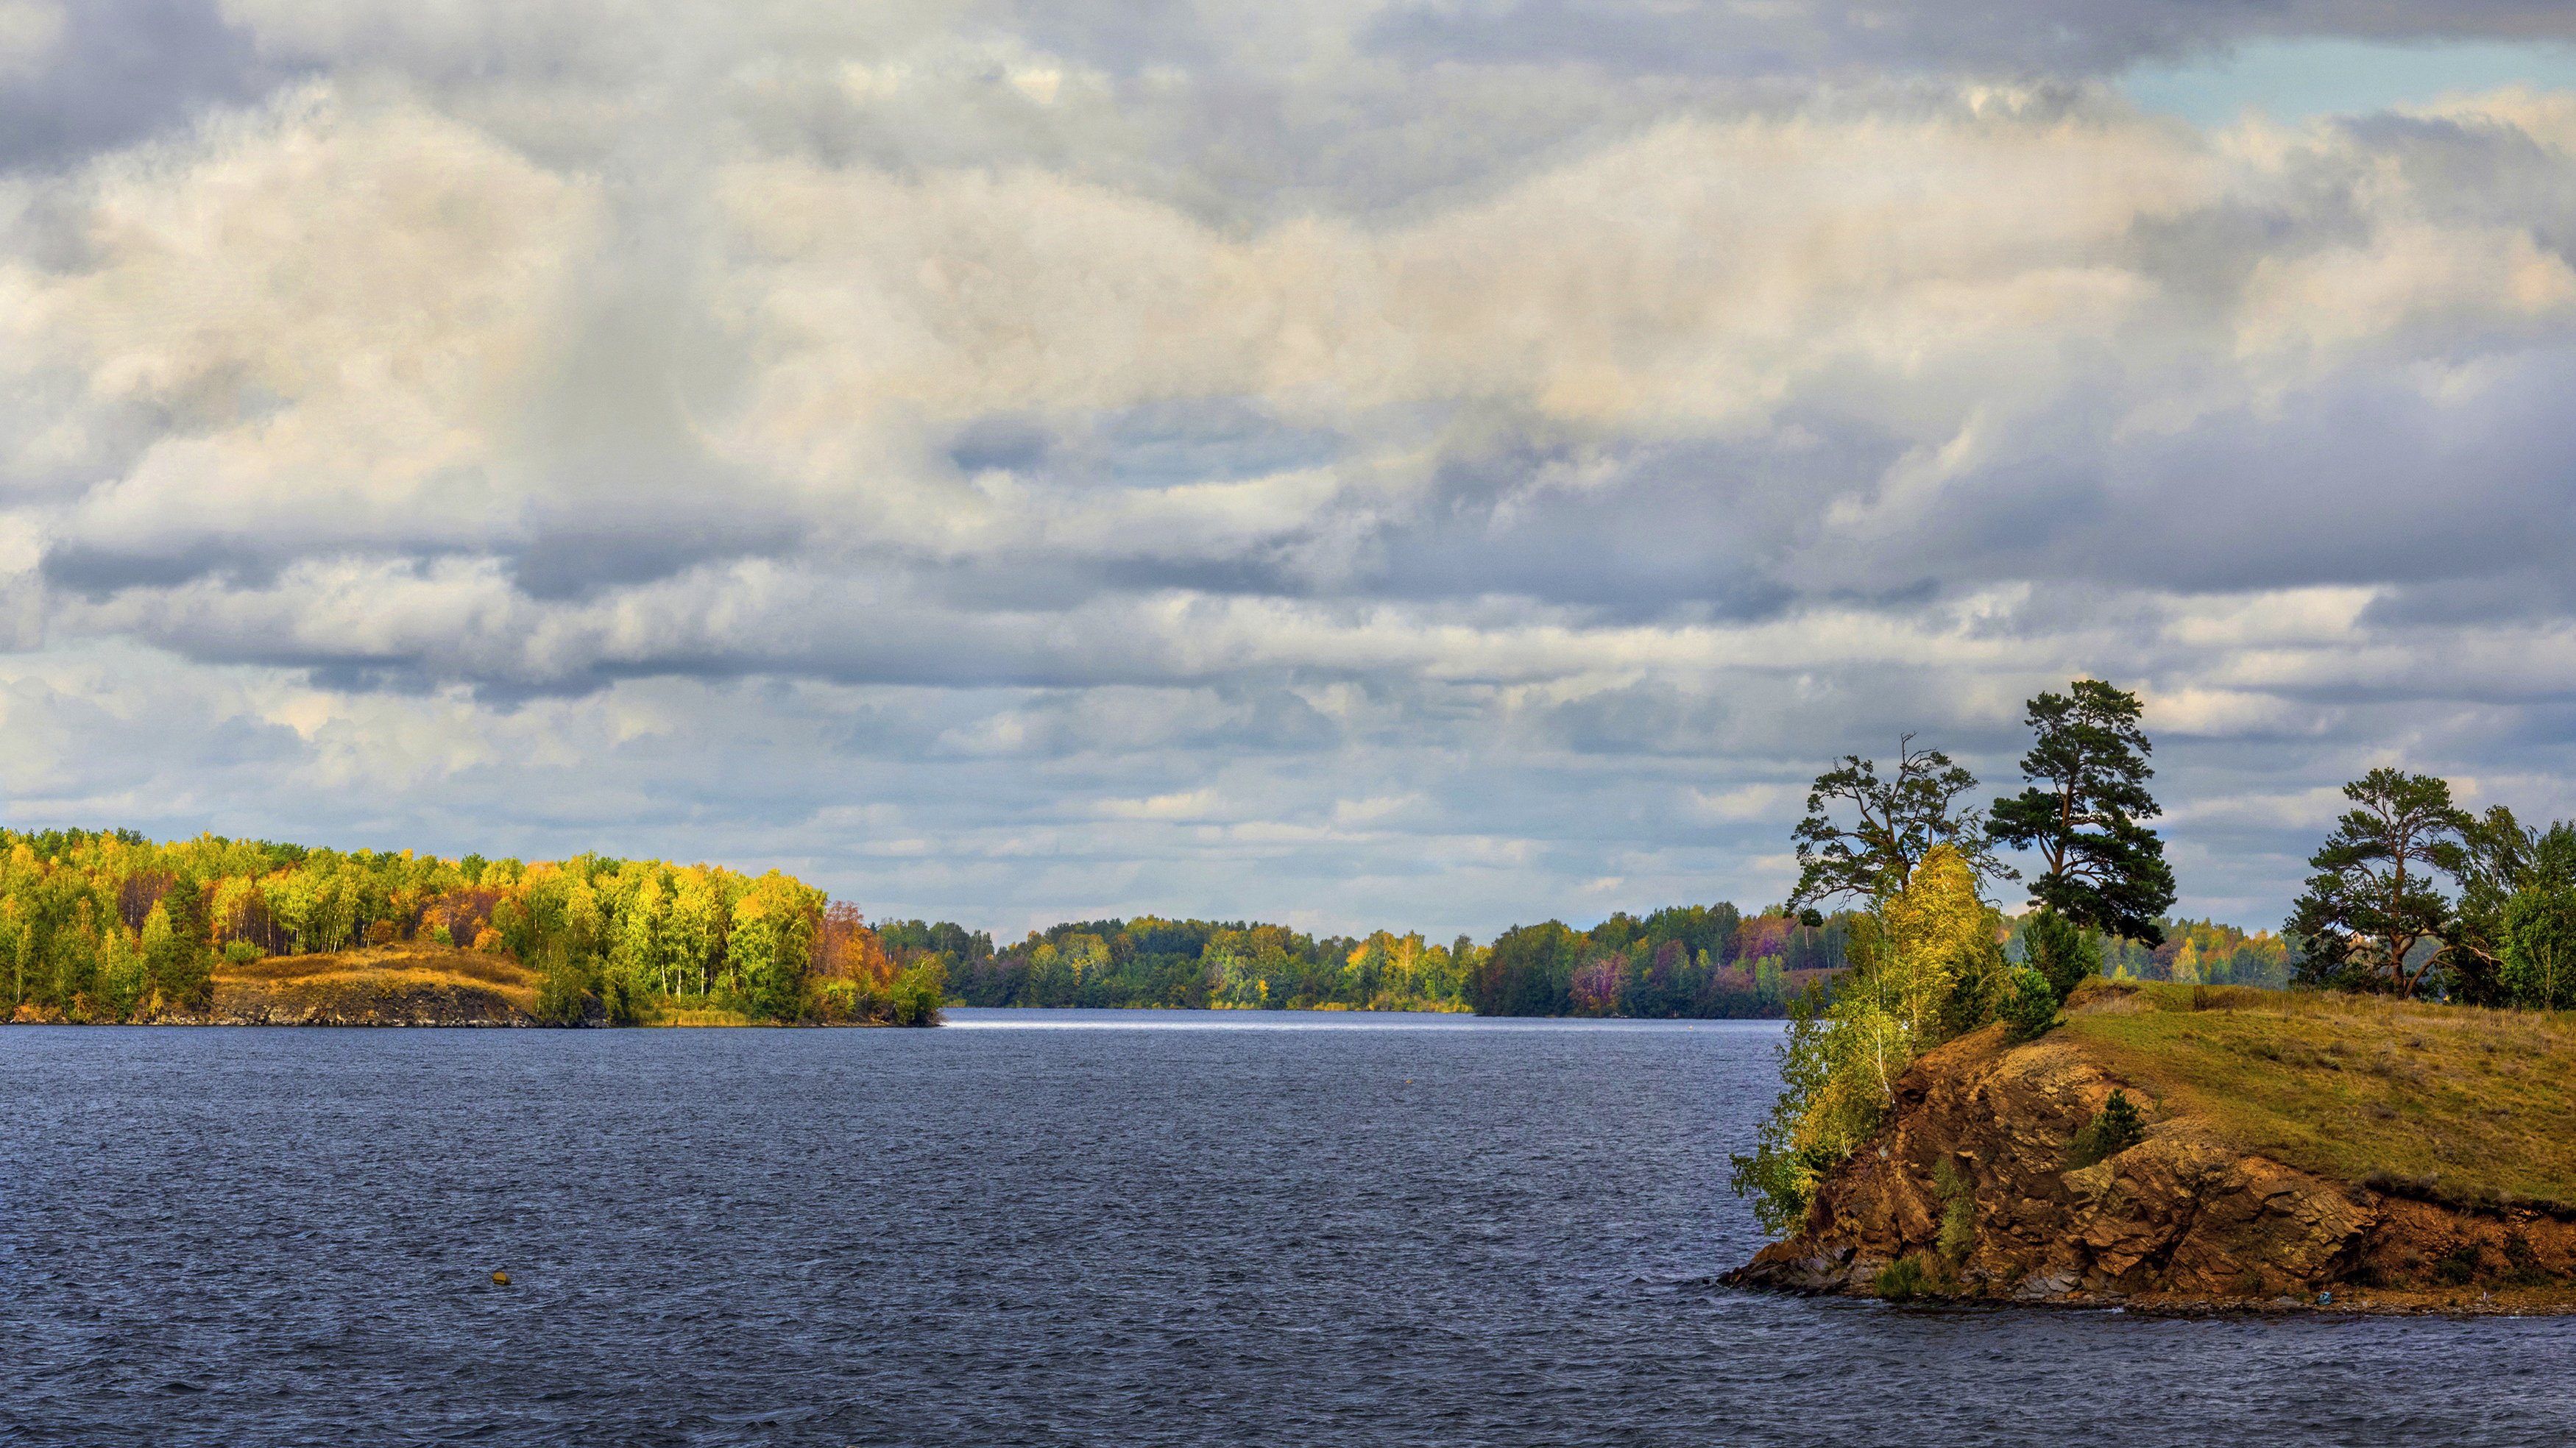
x,y
1707,962
111,927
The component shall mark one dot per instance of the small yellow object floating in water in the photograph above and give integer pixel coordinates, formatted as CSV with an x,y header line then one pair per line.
x,y
500,1279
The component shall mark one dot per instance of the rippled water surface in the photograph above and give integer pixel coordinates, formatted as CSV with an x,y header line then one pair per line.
x,y
1040,1227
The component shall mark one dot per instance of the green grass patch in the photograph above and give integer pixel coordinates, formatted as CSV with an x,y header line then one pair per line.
x,y
1906,1279
2447,1103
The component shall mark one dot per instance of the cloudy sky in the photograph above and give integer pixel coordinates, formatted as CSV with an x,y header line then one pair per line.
x,y
1354,463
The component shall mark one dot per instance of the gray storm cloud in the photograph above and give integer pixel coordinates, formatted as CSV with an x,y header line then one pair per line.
x,y
1363,463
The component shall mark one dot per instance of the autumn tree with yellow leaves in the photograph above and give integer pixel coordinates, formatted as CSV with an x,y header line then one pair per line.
x,y
1926,964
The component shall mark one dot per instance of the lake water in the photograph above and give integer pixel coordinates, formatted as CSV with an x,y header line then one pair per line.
x,y
1041,1227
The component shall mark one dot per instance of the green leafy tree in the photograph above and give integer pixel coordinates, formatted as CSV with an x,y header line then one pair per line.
x,y
562,992
331,923
122,978
623,993
1804,1135
517,929
917,993
13,953
693,930
2087,771
1529,971
2500,860
1893,823
2374,898
1915,955
2539,968
75,960
174,961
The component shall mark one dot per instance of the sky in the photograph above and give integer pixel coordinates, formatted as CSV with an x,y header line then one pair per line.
x,y
1427,465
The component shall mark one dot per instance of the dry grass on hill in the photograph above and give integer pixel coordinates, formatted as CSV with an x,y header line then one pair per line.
x,y
679,1017
410,963
2450,1103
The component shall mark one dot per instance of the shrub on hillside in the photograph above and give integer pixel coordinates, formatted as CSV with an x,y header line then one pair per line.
x,y
2113,1130
2061,951
2029,1006
1958,1211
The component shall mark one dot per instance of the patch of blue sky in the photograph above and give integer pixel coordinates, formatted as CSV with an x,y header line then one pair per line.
x,y
2293,80
1197,440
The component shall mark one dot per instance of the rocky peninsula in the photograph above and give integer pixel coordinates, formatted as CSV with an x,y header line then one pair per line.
x,y
2300,1152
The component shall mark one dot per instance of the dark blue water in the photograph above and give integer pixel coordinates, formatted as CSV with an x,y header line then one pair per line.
x,y
1104,1229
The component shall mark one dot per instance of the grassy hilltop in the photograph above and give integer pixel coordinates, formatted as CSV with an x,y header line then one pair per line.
x,y
2450,1103
389,969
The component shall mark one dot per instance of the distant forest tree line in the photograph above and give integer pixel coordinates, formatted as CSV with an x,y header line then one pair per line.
x,y
1697,961
1706,962
109,926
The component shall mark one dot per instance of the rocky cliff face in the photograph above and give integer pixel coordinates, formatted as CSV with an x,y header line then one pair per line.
x,y
2181,1218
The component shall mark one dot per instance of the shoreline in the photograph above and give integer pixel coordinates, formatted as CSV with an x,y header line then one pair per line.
x,y
2559,1301
403,985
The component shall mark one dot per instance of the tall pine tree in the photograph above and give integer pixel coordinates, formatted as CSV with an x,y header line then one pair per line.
x,y
2376,896
2088,774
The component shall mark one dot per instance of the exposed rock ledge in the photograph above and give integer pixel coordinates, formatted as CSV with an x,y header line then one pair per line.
x,y
343,1002
2180,1222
